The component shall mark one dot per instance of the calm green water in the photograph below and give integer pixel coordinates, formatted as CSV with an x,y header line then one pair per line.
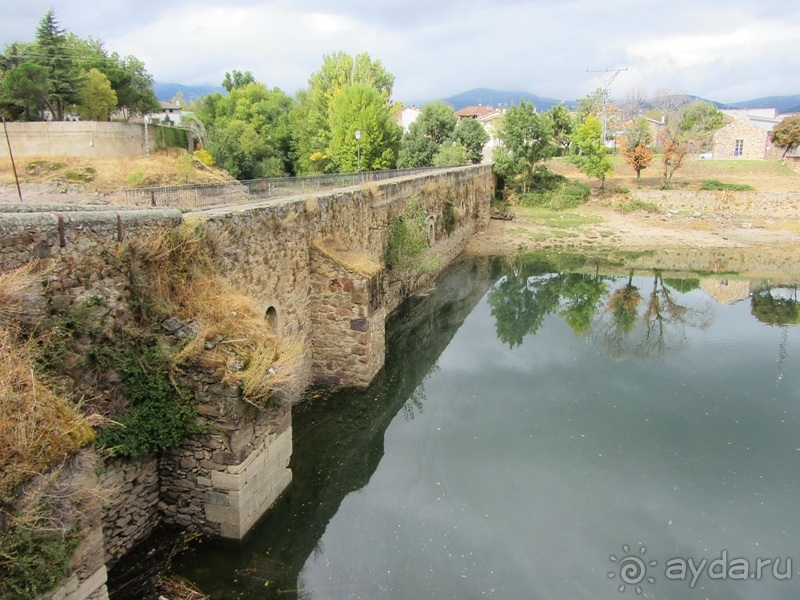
x,y
530,425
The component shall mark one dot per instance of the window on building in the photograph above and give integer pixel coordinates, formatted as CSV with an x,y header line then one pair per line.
x,y
738,147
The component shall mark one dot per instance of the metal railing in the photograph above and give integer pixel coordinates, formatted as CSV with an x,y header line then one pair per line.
x,y
202,195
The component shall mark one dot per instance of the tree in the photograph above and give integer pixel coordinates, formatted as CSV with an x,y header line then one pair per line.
x,y
361,107
786,134
434,126
52,53
636,151
310,119
593,158
562,125
450,155
28,87
237,80
472,137
97,97
526,144
673,137
248,130
698,122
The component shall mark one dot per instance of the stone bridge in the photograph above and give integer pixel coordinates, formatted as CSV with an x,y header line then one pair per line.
x,y
315,265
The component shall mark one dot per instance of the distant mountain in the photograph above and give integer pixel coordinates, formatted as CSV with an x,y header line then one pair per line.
x,y
784,104
167,91
496,98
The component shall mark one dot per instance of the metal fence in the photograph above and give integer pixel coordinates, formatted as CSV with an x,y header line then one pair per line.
x,y
211,194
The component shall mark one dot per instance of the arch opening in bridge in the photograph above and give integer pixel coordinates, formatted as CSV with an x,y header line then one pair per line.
x,y
272,319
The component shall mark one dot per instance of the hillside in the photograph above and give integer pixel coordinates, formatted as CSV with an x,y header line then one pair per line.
x,y
167,91
490,97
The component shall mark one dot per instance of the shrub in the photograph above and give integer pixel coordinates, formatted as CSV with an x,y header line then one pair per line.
x,y
160,416
204,157
636,204
33,561
171,137
407,241
566,194
136,178
714,184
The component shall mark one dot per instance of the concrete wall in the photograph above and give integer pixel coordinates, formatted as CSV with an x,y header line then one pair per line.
x,y
96,139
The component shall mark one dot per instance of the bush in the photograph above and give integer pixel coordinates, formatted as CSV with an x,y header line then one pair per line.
x,y
408,240
171,137
714,185
136,178
33,561
565,194
159,418
204,157
636,204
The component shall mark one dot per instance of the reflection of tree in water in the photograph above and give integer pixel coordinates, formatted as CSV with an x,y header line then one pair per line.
x,y
530,291
777,310
662,324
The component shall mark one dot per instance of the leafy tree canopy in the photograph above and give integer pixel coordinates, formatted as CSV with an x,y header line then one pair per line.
x,y
593,158
97,99
526,139
472,137
787,133
434,126
362,107
237,79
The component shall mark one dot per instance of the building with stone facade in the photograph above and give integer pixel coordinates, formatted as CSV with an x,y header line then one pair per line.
x,y
747,136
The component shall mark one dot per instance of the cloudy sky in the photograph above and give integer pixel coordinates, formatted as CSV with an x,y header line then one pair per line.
x,y
725,50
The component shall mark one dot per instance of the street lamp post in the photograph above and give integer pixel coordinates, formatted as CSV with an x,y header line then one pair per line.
x,y
358,140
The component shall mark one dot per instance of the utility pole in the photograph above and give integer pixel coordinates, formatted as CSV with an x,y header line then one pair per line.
x,y
606,77
11,156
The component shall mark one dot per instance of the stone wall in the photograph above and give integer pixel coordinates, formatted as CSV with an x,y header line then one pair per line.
x,y
130,491
755,141
756,204
97,139
221,482
278,252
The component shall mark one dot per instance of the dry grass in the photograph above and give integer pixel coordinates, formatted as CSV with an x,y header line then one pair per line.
x,y
174,270
112,174
38,427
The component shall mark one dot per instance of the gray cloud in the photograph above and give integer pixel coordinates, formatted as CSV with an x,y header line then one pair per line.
x,y
725,50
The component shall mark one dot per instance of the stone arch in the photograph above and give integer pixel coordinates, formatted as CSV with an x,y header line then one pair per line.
x,y
272,318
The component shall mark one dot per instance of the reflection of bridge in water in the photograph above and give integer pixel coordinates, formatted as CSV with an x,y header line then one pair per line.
x,y
338,447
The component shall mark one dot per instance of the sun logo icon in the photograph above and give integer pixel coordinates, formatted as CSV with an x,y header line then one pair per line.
x,y
632,569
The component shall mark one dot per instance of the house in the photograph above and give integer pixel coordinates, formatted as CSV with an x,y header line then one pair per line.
x,y
748,135
407,116
490,119
170,114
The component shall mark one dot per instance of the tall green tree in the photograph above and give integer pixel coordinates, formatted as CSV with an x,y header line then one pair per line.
x,y
52,53
563,127
434,126
311,118
362,107
526,145
97,99
786,134
248,130
593,157
237,79
473,137
28,87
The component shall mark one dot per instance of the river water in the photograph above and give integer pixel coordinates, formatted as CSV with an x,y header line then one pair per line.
x,y
547,431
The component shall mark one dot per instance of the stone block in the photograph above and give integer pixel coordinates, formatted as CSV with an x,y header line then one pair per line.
x,y
222,514
216,498
225,481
